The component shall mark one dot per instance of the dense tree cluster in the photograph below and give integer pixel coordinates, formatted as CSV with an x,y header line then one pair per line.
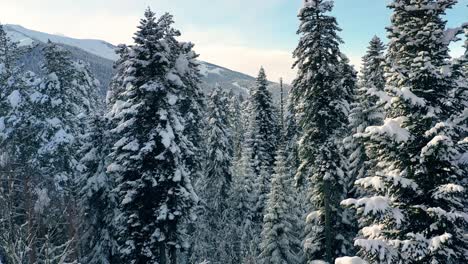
x,y
350,168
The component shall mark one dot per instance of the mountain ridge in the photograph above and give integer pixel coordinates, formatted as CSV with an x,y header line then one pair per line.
x,y
101,57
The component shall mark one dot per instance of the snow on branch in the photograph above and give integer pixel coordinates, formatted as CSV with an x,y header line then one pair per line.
x,y
392,127
374,205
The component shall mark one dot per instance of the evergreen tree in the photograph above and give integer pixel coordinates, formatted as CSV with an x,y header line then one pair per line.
x,y
320,95
22,202
242,230
367,110
68,97
97,202
116,87
413,212
9,54
264,125
280,241
237,124
215,183
264,132
148,159
192,107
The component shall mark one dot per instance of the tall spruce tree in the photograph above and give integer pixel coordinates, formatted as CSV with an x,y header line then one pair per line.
x,y
216,183
367,110
61,111
148,159
280,237
237,124
192,107
242,229
413,212
20,196
97,200
264,132
321,96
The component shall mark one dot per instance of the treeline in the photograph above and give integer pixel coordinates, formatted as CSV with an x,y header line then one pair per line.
x,y
347,169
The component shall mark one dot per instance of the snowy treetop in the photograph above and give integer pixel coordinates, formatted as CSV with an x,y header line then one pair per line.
x,y
323,6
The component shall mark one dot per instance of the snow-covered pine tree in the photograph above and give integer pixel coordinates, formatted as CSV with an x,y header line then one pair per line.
x,y
264,125
265,135
291,137
68,96
281,242
9,54
367,110
413,210
459,71
214,186
291,143
20,198
116,87
153,182
348,219
321,101
242,230
236,123
97,200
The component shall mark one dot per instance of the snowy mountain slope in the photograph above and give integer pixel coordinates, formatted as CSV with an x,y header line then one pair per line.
x,y
96,47
101,55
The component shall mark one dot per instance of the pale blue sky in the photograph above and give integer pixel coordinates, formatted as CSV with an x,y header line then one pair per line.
x,y
238,34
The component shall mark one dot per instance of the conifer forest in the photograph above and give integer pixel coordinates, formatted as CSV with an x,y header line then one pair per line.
x,y
343,166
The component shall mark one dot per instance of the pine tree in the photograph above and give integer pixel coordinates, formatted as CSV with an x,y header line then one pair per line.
x,y
9,54
321,96
413,212
148,159
215,183
264,130
242,229
280,241
367,110
264,126
237,125
68,97
193,109
20,198
116,87
97,202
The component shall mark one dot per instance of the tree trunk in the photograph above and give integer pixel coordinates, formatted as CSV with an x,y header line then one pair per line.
x,y
30,218
162,254
328,222
173,255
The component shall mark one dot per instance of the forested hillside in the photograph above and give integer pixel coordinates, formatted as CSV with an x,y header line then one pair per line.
x,y
154,157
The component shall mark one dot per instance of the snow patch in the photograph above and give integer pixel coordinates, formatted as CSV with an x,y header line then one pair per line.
x,y
391,127
172,99
182,64
350,260
436,242
15,98
205,70
42,201
376,204
173,78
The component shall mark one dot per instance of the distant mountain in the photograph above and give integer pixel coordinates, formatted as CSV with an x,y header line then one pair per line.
x,y
97,47
101,56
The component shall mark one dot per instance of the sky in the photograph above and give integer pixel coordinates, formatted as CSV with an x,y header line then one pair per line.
x,y
238,34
